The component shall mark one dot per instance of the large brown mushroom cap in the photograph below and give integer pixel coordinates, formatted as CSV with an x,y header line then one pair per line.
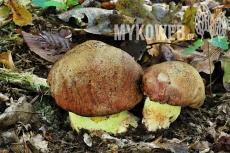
x,y
95,79
175,83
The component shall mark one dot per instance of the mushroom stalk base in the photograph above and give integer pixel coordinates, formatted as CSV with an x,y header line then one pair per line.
x,y
116,123
157,116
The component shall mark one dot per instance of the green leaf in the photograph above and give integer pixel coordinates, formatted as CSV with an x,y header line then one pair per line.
x,y
53,3
225,64
219,41
39,3
191,49
72,2
77,7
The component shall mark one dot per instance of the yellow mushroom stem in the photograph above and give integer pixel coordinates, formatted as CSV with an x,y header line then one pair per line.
x,y
157,116
116,123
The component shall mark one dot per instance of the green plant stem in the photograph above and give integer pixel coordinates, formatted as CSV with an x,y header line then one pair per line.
x,y
25,80
210,70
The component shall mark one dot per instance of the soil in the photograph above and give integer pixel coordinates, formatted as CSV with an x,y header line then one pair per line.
x,y
206,129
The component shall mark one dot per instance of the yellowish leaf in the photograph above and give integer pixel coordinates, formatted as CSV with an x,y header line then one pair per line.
x,y
21,16
182,34
4,12
159,36
6,60
189,17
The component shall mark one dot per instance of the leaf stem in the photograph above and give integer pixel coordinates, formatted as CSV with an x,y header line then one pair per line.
x,y
210,70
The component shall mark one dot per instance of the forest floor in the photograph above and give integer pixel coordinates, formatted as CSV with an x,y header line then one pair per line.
x,y
206,129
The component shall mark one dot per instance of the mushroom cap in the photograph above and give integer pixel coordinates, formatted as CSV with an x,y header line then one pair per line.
x,y
95,79
175,83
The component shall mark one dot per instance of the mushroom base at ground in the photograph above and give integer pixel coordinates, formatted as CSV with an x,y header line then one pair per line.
x,y
116,123
158,116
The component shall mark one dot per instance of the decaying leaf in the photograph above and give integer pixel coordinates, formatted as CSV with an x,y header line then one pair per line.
x,y
21,16
48,46
201,60
132,8
6,60
24,3
189,17
160,10
4,98
4,12
21,111
182,34
30,142
202,146
136,10
146,146
222,143
100,21
91,13
36,140
173,53
160,36
168,18
109,5
225,64
7,137
135,48
104,24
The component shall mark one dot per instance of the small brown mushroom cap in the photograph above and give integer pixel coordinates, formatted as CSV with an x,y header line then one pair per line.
x,y
175,83
95,79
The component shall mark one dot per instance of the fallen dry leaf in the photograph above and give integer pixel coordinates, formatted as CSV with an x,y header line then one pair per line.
x,y
99,21
225,61
160,36
90,13
201,60
6,60
21,111
202,146
7,137
21,16
135,48
48,46
189,17
4,12
182,34
108,5
223,142
4,98
173,52
36,142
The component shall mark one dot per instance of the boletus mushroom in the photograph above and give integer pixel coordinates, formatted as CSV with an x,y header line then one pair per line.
x,y
96,80
170,86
